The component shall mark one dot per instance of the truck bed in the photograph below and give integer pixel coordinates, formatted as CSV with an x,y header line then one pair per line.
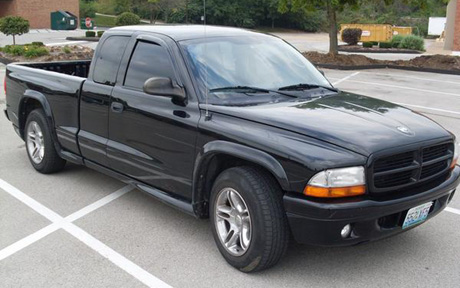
x,y
57,86
75,68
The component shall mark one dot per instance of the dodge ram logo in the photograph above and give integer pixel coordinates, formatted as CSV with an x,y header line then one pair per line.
x,y
404,130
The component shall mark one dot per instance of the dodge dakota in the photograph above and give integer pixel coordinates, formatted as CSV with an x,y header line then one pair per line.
x,y
238,127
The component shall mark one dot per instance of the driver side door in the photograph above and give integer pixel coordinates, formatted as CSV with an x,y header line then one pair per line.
x,y
151,138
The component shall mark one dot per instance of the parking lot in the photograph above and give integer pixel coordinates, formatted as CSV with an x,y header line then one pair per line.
x,y
80,228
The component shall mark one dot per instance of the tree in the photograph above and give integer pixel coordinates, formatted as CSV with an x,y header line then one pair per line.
x,y
334,6
121,6
14,25
87,8
331,7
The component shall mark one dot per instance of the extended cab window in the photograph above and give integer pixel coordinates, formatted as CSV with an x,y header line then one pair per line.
x,y
106,67
148,60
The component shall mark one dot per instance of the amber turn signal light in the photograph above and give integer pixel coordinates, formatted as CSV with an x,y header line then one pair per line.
x,y
334,192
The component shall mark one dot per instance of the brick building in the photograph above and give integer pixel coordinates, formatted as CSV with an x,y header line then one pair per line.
x,y
37,11
452,31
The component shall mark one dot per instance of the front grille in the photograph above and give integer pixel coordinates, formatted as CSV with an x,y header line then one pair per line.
x,y
393,172
393,162
434,152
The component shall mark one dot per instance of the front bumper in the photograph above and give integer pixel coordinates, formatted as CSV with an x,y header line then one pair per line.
x,y
319,223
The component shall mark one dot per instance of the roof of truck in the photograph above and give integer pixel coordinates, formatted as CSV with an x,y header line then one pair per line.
x,y
185,32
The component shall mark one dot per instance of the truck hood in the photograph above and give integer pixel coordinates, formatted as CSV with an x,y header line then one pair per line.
x,y
362,124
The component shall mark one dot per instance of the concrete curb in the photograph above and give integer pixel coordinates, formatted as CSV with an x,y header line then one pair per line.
x,y
89,39
380,51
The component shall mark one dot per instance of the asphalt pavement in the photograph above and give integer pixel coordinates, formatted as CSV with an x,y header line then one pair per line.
x,y
80,228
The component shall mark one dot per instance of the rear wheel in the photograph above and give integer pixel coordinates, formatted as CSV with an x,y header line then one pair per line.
x,y
39,144
247,218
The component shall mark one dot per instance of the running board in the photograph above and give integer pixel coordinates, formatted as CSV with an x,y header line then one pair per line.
x,y
159,194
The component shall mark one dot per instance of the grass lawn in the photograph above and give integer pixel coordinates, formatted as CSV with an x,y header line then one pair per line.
x,y
104,21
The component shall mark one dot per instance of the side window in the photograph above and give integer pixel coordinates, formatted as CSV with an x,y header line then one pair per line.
x,y
106,66
148,60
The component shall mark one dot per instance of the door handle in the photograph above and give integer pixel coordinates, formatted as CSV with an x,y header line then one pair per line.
x,y
117,107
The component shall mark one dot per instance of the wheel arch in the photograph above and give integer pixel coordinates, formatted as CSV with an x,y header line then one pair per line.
x,y
219,155
30,101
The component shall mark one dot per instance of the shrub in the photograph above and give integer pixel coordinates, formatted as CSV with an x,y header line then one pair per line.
x,y
385,45
33,51
90,34
38,44
367,44
351,35
375,43
14,25
412,42
16,50
100,33
128,18
396,41
66,50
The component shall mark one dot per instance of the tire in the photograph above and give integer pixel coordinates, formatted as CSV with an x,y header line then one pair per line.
x,y
40,145
267,239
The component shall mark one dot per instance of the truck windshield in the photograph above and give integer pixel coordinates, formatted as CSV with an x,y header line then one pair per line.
x,y
248,61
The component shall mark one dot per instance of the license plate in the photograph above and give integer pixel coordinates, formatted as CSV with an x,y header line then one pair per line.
x,y
417,215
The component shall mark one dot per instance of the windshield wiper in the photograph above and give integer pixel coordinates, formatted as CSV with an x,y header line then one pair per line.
x,y
246,88
249,88
305,86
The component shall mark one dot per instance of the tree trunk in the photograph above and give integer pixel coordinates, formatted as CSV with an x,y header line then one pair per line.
x,y
331,15
186,11
14,39
152,15
273,22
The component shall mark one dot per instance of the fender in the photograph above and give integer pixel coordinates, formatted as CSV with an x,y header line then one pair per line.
x,y
240,151
31,94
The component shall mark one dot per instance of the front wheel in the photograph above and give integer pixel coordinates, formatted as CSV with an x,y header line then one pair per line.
x,y
40,146
247,218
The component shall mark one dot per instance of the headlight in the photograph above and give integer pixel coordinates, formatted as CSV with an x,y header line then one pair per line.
x,y
456,152
333,183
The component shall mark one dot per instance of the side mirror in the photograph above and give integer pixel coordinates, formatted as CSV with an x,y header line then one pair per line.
x,y
322,72
162,86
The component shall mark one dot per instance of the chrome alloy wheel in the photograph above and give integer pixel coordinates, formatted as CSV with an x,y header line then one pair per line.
x,y
35,142
233,221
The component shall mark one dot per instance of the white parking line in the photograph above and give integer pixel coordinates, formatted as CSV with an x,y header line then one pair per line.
x,y
98,204
345,78
398,75
65,223
29,240
428,108
453,210
400,87
41,209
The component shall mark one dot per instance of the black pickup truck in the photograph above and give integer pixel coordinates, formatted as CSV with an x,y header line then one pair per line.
x,y
239,127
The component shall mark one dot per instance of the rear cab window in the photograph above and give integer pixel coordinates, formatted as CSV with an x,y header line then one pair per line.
x,y
108,60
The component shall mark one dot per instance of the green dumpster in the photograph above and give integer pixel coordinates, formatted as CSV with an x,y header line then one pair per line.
x,y
63,20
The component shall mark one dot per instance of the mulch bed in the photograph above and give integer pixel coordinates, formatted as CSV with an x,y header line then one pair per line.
x,y
56,54
445,64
